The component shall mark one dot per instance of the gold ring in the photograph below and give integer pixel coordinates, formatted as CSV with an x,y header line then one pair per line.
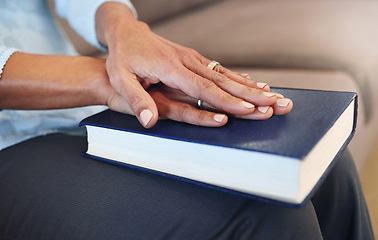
x,y
212,64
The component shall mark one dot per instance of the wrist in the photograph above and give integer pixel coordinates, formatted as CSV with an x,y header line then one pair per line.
x,y
110,18
97,82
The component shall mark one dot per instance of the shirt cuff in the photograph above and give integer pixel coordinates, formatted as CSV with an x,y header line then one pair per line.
x,y
81,15
5,54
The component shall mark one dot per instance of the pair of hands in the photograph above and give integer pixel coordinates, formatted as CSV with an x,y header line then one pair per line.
x,y
153,77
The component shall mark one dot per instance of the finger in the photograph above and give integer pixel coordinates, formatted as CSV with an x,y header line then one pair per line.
x,y
245,75
262,113
249,92
244,79
140,102
261,85
117,103
198,87
282,106
185,112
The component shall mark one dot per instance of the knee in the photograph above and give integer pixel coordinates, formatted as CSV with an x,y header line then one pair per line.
x,y
256,220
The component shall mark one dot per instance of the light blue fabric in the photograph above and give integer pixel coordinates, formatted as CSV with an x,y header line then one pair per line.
x,y
29,26
81,16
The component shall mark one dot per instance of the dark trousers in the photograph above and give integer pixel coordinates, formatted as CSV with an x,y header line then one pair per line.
x,y
49,191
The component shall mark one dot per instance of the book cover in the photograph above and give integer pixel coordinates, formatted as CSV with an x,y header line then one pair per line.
x,y
282,159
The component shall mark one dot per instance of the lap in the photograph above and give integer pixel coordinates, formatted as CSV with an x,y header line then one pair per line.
x,y
49,191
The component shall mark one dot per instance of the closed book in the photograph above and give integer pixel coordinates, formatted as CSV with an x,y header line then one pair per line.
x,y
282,159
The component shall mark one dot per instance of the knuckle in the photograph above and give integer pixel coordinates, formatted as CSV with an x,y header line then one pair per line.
x,y
187,52
204,88
208,85
135,100
247,82
194,53
184,111
172,67
221,79
201,117
189,55
222,70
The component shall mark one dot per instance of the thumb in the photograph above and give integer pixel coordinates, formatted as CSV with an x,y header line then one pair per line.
x,y
140,102
142,105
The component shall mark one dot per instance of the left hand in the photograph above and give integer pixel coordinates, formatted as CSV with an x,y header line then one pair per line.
x,y
176,105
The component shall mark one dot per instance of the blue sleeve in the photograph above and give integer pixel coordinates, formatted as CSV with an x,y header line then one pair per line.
x,y
81,16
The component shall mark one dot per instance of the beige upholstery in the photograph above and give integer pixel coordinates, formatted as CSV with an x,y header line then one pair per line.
x,y
297,43
305,44
289,34
159,10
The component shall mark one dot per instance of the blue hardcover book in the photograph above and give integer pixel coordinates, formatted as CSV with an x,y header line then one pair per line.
x,y
282,159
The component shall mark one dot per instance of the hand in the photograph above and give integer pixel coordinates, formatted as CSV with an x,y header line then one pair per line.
x,y
139,58
176,105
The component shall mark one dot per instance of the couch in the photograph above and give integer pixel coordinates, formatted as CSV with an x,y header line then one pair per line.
x,y
329,45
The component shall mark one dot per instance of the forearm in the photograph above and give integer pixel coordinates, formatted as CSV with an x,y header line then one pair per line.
x,y
31,81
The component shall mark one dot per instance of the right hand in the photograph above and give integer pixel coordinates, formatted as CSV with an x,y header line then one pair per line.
x,y
139,58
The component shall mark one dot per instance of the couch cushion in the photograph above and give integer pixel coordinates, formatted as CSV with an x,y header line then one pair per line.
x,y
154,10
334,35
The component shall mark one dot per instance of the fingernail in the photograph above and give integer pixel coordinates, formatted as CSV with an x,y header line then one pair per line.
x,y
269,94
263,109
146,116
246,75
219,117
283,102
261,85
247,105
